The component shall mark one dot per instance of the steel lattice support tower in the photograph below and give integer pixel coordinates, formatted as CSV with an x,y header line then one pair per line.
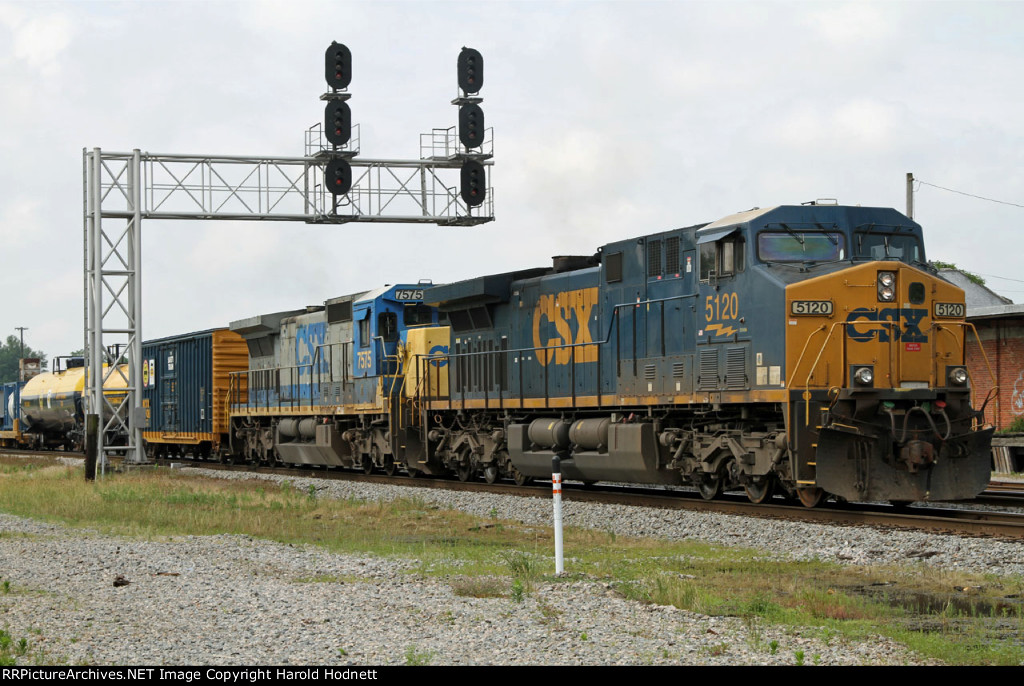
x,y
122,189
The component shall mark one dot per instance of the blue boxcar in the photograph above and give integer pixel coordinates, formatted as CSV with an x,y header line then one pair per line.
x,y
185,390
10,411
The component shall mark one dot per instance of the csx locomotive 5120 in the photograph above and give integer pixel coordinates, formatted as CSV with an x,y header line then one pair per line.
x,y
803,348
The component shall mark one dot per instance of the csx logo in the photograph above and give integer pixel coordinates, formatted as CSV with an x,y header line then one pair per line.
x,y
552,326
435,354
906,324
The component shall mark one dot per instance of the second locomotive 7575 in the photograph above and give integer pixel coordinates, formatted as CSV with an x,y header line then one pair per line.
x,y
803,347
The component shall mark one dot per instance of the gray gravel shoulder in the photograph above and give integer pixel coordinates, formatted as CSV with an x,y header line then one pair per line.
x,y
232,600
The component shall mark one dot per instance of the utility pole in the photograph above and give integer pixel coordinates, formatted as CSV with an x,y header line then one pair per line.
x,y
910,194
22,329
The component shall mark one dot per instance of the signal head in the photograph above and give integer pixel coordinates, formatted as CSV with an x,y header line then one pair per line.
x,y
338,177
471,70
338,66
337,122
474,183
471,125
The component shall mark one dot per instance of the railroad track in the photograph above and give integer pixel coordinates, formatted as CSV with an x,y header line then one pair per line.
x,y
969,520
942,518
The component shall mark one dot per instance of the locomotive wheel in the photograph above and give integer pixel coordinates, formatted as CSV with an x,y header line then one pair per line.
x,y
491,473
760,491
464,471
710,487
521,479
810,497
367,464
389,465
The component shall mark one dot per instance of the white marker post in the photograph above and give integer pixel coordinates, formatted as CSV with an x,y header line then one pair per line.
x,y
556,492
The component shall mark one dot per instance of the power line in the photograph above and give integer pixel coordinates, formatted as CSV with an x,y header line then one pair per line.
x,y
970,195
1004,278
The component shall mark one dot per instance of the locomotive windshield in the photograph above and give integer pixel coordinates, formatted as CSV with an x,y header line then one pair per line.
x,y
803,246
881,246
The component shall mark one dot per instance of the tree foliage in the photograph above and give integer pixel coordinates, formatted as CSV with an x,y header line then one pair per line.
x,y
10,353
973,278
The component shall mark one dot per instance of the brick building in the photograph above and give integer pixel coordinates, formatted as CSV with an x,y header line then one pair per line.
x,y
1000,326
1001,329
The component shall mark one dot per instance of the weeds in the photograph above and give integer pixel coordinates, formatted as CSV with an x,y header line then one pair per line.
x,y
518,593
11,650
549,613
415,657
524,572
479,587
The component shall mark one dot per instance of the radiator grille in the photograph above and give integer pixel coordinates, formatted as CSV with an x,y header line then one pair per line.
x,y
708,378
735,368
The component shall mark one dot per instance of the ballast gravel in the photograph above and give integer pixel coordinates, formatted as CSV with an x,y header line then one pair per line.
x,y
80,597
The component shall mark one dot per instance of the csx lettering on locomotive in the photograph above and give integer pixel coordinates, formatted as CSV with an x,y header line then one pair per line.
x,y
906,324
559,310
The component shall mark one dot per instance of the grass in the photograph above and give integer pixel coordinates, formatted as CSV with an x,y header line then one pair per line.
x,y
18,651
916,605
414,657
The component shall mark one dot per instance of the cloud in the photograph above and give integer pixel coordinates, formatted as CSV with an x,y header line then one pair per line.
x,y
858,126
39,40
853,25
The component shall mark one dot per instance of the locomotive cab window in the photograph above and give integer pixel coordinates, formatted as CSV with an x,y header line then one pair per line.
x,y
722,258
803,246
387,326
417,315
886,246
364,331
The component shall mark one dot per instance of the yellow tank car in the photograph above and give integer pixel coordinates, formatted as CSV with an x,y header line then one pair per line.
x,y
52,413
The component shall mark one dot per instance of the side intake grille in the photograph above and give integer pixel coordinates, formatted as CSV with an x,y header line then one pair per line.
x,y
678,369
672,255
654,258
708,378
735,368
650,372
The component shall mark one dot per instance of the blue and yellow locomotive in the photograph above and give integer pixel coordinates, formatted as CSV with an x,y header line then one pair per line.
x,y
808,348
320,382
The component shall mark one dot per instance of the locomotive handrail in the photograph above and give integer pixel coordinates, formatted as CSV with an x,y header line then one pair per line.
x,y
981,348
292,401
803,352
842,357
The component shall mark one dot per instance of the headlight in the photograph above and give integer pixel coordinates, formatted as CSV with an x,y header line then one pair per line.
x,y
864,376
957,376
886,286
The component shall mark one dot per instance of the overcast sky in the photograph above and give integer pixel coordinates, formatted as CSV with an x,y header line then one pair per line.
x,y
611,120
